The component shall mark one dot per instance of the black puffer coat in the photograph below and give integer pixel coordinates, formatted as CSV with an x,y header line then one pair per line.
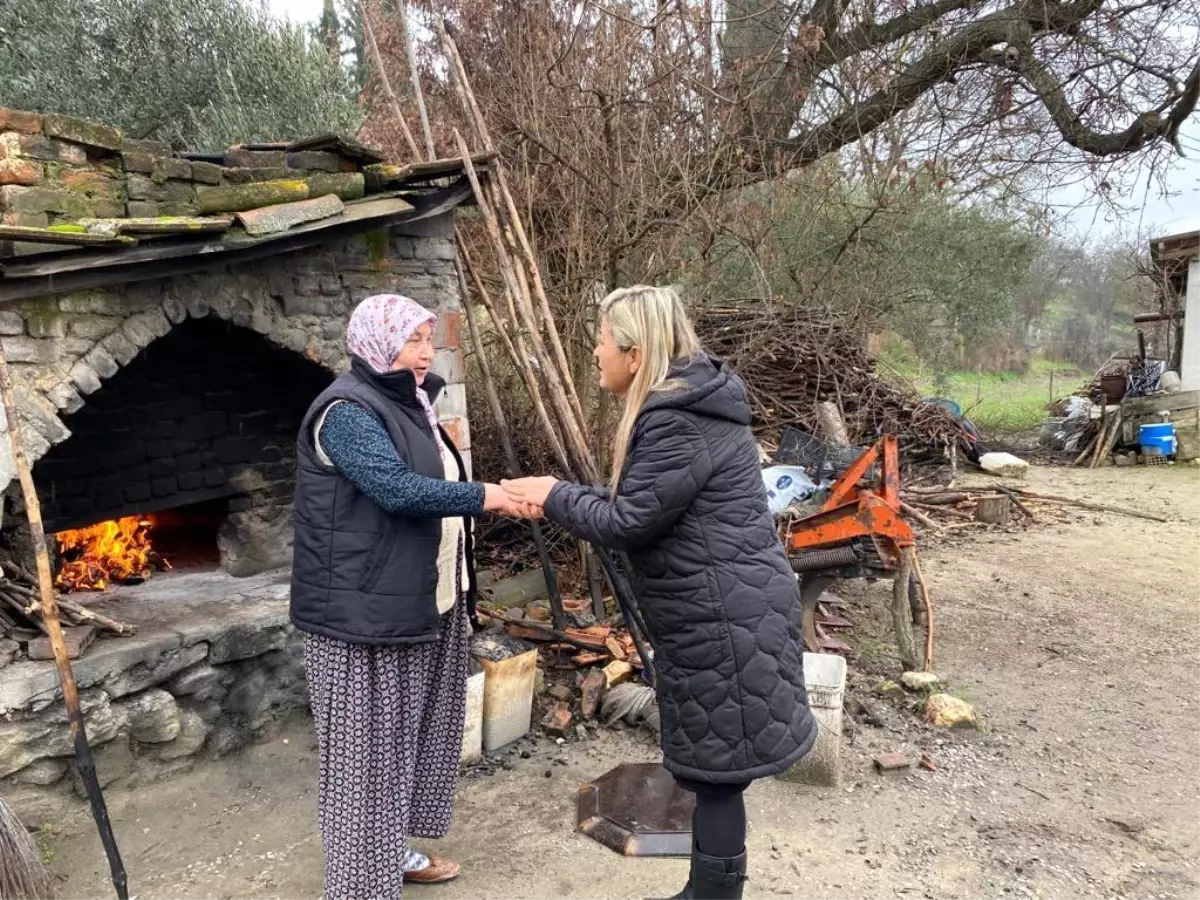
x,y
718,596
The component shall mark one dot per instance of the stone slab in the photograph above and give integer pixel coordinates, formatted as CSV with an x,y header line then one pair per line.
x,y
177,616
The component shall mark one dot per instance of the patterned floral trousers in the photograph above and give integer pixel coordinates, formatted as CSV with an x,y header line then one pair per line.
x,y
389,724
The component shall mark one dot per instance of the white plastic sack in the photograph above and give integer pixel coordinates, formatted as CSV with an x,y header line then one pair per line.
x,y
786,485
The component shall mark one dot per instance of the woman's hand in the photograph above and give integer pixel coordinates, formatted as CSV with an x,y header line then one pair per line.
x,y
498,500
530,490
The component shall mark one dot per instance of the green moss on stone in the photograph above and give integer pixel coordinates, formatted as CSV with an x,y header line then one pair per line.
x,y
68,228
376,245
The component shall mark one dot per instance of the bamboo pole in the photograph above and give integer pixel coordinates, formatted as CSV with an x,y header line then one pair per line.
x,y
377,59
415,76
558,615
475,116
575,444
66,676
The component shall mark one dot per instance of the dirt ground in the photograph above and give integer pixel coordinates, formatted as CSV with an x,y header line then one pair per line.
x,y
1076,641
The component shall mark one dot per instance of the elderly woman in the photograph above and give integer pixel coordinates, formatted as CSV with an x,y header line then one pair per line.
x,y
382,578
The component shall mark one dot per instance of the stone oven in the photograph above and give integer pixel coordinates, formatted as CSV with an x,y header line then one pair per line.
x,y
167,324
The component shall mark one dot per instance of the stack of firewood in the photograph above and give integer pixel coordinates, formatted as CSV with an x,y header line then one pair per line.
x,y
794,358
21,615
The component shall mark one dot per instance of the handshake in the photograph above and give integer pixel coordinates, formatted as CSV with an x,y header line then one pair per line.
x,y
520,498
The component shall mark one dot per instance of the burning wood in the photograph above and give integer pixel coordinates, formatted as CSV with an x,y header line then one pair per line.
x,y
118,551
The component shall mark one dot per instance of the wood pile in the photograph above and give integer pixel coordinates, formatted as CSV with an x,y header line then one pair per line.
x,y
792,359
21,616
584,662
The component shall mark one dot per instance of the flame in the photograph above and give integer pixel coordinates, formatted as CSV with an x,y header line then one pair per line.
x,y
115,551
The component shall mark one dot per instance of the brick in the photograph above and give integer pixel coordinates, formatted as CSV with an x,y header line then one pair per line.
x,y
141,209
20,349
121,348
46,326
178,192
34,146
19,171
65,398
135,493
248,159
85,378
206,173
89,182
436,248
11,323
136,161
446,335
191,481
100,360
453,401
150,148
93,327
16,198
892,763
164,487
177,168
261,173
139,187
558,720
28,220
315,159
20,120
81,131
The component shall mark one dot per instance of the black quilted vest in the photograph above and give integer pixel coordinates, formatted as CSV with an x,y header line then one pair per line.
x,y
360,573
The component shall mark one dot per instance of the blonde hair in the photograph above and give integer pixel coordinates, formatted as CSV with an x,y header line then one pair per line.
x,y
652,319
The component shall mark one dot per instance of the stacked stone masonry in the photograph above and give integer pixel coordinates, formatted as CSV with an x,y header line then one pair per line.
x,y
174,693
56,170
63,349
201,679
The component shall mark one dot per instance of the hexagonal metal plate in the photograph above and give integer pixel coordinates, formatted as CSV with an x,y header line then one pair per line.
x,y
637,809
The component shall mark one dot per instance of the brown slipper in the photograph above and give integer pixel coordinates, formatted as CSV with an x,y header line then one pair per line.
x,y
436,872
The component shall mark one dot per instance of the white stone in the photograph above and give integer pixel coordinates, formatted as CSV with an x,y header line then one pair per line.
x,y
919,681
85,378
46,734
1004,464
153,716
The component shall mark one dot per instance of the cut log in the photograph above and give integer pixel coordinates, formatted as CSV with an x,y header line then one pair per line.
x,y
833,426
994,510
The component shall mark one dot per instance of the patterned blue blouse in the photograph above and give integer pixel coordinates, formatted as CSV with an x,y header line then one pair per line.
x,y
359,447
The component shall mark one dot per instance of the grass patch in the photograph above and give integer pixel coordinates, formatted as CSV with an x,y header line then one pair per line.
x,y
1003,403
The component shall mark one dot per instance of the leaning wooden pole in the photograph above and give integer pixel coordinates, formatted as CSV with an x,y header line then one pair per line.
x,y
83,751
557,614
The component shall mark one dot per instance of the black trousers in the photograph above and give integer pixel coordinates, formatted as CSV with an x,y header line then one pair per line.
x,y
719,825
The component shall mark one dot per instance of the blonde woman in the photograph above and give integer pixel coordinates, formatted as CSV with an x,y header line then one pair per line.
x,y
687,504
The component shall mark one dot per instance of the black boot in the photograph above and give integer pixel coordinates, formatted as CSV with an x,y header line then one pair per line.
x,y
686,893
715,877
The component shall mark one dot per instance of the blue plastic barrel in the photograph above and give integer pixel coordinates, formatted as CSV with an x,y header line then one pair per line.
x,y
1158,439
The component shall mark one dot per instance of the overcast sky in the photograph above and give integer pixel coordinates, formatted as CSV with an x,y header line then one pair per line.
x,y
1158,210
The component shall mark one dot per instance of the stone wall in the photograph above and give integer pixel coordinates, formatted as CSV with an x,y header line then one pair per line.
x,y
57,170
214,666
63,349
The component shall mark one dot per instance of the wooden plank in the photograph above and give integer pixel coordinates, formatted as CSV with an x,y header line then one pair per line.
x,y
343,146
161,225
78,638
282,216
69,238
383,175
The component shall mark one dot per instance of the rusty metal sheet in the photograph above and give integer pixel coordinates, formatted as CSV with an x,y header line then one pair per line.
x,y
637,809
